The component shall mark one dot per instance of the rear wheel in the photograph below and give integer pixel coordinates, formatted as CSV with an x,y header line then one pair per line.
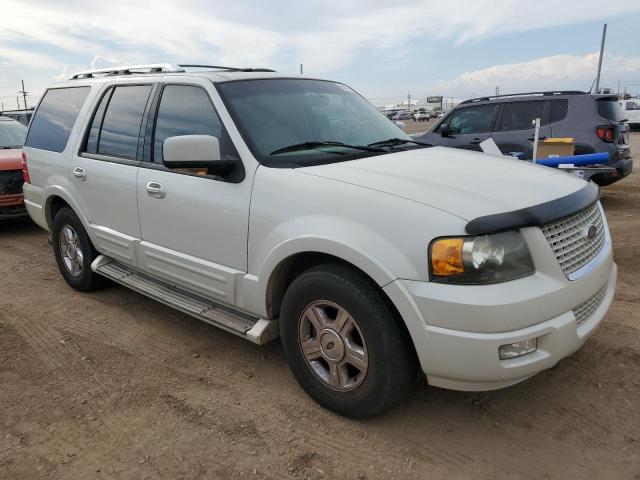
x,y
74,252
343,342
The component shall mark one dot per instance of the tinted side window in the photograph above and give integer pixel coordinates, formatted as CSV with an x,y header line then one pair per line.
x,y
187,110
610,109
121,125
558,110
520,115
96,124
55,117
473,120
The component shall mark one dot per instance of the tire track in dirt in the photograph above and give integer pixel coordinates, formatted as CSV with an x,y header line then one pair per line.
x,y
64,361
44,342
617,334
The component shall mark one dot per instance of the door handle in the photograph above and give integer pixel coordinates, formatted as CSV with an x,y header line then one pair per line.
x,y
476,141
80,173
532,138
156,190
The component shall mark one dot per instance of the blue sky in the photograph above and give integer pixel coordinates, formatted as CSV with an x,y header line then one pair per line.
x,y
382,49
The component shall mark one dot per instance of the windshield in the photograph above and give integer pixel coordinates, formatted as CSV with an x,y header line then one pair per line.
x,y
273,114
12,134
611,110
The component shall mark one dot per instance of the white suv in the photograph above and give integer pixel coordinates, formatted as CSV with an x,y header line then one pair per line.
x,y
275,206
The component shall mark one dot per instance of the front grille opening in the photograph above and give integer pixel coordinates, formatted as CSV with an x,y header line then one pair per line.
x,y
569,242
584,311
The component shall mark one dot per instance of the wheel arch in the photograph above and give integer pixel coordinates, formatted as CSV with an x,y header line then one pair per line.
x,y
55,199
289,266
292,266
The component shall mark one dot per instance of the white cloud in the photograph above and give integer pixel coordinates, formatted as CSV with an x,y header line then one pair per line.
x,y
26,57
63,36
554,72
324,34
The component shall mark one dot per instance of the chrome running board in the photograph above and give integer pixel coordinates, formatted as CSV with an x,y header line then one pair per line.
x,y
256,330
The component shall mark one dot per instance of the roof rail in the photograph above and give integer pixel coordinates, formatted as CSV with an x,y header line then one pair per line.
x,y
525,94
128,70
228,69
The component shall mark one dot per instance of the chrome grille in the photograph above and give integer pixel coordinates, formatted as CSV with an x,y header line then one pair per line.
x,y
568,240
583,311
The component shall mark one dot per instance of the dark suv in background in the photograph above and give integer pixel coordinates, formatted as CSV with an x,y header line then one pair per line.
x,y
596,122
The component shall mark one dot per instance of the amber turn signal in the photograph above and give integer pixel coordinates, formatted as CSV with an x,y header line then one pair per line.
x,y
446,257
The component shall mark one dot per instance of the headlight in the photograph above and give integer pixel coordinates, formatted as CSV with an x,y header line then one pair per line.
x,y
479,260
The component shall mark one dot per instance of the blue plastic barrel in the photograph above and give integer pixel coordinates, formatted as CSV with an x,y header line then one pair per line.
x,y
577,160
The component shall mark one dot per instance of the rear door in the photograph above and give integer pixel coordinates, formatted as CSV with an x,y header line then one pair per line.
x,y
105,169
514,130
468,127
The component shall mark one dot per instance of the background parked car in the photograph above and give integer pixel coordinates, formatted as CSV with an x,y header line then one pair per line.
x,y
422,116
631,109
402,116
12,135
596,122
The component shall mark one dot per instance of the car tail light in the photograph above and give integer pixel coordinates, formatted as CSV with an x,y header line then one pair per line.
x,y
25,169
606,133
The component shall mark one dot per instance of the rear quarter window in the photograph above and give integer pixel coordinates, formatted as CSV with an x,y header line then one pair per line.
x,y
54,119
610,109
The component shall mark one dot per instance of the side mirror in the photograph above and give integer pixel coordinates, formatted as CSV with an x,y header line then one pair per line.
x,y
444,129
400,125
193,151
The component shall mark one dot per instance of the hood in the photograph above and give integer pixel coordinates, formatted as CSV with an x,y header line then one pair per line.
x,y
11,159
461,182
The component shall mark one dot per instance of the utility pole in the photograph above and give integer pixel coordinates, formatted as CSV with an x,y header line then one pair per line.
x,y
18,101
300,69
409,101
618,88
497,90
604,34
24,96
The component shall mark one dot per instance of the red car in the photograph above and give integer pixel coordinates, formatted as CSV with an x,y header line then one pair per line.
x,y
12,135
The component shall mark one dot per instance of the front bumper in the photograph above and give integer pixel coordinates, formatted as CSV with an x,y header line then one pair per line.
x,y
457,330
470,361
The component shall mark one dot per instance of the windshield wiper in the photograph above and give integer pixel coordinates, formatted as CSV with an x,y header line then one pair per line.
x,y
392,142
313,145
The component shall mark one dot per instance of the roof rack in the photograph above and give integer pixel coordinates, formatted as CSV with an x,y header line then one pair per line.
x,y
128,70
157,68
228,69
526,94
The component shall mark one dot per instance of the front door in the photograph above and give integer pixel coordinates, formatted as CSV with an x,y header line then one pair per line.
x,y
469,126
104,172
194,225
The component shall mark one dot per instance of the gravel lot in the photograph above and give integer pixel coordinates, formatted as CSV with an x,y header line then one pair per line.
x,y
113,385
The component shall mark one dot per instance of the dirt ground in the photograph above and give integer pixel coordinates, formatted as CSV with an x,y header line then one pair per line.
x,y
112,385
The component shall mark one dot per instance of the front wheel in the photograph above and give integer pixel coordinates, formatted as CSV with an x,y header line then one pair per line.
x,y
343,342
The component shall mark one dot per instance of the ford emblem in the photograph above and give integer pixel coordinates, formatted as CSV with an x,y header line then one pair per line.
x,y
589,232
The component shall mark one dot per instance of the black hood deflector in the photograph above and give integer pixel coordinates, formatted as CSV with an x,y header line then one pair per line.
x,y
537,215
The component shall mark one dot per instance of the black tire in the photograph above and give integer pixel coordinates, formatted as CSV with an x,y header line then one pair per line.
x,y
86,280
392,364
